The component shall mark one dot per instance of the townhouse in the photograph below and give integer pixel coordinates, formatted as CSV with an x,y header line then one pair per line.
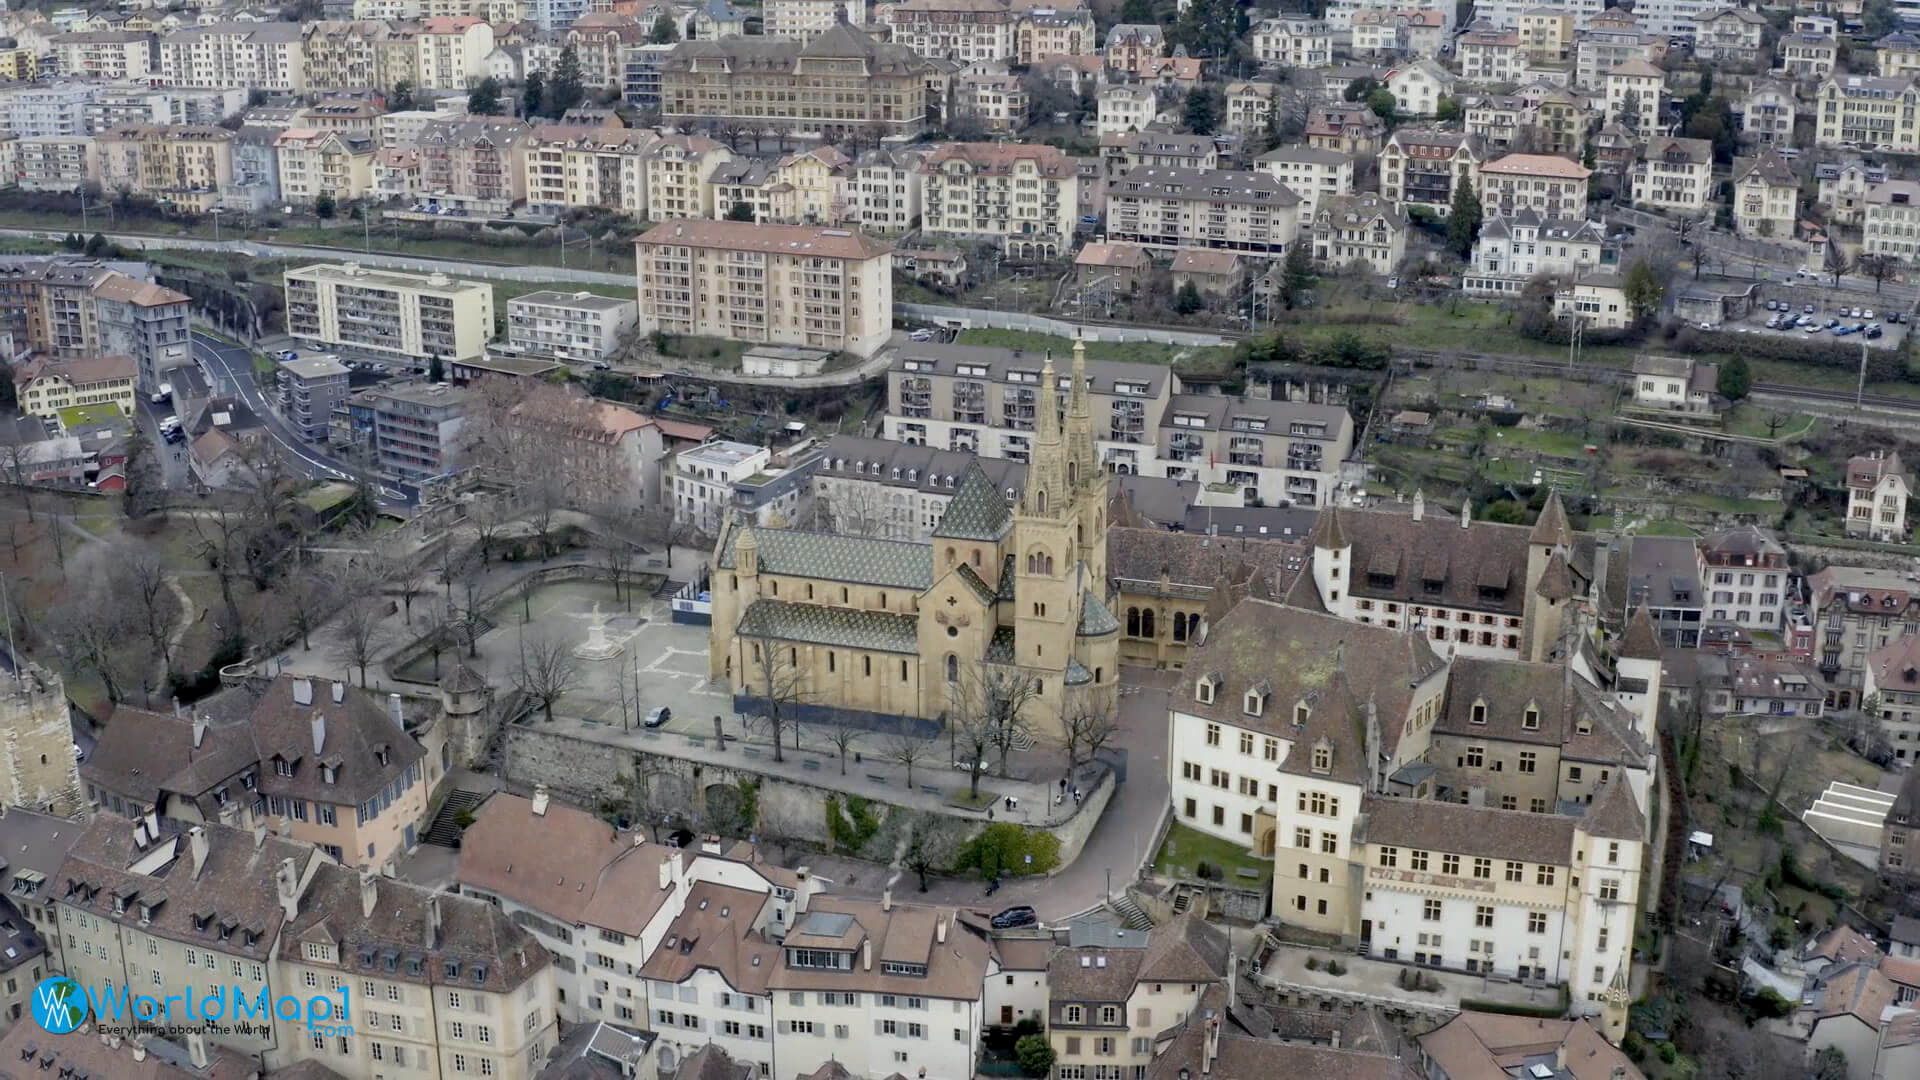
x,y
1293,42
897,490
260,55
770,284
1868,112
1420,166
311,163
1634,93
1766,114
184,165
1675,175
479,164
396,314
1877,490
1024,195
1855,611
1112,992
1890,222
884,190
1549,185
1766,196
1360,228
1511,249
1314,175
840,82
1169,208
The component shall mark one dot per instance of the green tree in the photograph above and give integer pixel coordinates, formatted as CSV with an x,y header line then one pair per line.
x,y
97,244
1447,109
1034,1054
1463,220
664,31
1644,290
1296,275
1735,378
9,394
1201,114
1383,104
484,98
1829,1064
1188,300
1358,89
436,369
565,88
1137,13
401,100
740,212
532,95
324,206
1207,28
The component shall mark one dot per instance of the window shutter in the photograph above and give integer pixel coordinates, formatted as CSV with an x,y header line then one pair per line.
x,y
876,1027
786,1027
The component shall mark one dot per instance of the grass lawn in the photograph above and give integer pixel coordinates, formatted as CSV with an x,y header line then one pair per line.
x,y
713,352
1136,352
74,416
1665,527
1753,420
504,291
1186,848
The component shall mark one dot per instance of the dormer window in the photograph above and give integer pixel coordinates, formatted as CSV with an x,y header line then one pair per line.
x,y
1531,720
1300,713
1479,714
1322,756
1256,702
1585,727
1075,1014
1204,689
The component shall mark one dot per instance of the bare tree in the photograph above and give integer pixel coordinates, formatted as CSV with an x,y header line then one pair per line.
x,y
306,594
643,795
773,673
393,563
988,707
17,460
546,671
136,572
1087,728
934,842
95,629
905,751
437,622
843,736
613,551
362,630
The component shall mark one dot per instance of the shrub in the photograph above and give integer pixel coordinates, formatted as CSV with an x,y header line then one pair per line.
x,y
1203,870
1005,848
1667,1053
1335,967
1034,1055
1313,963
851,823
1634,1046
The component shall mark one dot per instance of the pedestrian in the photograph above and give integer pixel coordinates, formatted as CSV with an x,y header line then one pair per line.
x,y
1076,796
1063,785
1009,802
989,813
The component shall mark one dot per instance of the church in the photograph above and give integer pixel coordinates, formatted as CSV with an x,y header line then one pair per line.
x,y
897,635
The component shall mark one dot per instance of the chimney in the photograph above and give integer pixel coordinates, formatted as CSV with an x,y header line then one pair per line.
x,y
197,843
431,938
199,730
286,888
1210,1049
540,798
153,824
140,838
259,830
1560,1057
711,844
866,955
393,708
666,874
319,724
339,693
139,1051
886,899
1466,513
178,712
940,931
1419,506
369,893
197,1049
302,691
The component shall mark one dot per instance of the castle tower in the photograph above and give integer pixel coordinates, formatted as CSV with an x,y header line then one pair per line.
x,y
1332,560
1549,585
1086,475
463,702
1637,673
37,766
1046,553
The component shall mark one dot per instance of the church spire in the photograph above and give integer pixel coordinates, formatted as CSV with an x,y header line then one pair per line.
x,y
1083,459
1047,474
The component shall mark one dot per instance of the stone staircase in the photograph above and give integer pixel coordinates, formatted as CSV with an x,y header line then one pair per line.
x,y
444,832
1131,914
1182,900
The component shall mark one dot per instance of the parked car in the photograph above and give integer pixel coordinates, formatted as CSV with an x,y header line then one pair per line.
x,y
1867,314
1873,332
1808,309
659,716
1014,917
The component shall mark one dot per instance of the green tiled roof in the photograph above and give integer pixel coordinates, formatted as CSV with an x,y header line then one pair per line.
x,y
1006,580
831,557
978,510
1077,674
1095,619
815,625
973,582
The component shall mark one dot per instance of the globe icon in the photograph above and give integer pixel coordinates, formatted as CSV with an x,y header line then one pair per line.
x,y
59,1005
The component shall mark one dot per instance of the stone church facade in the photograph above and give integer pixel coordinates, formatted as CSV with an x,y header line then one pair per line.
x,y
897,635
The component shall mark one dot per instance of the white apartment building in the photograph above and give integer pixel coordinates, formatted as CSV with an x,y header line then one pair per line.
x,y
1026,195
579,326
1360,228
1415,32
1730,34
1766,196
1766,115
401,130
1634,90
1513,248
883,194
702,480
1125,108
802,20
1675,175
1506,13
408,315
1341,13
1609,40
1891,225
1744,572
768,284
263,55
1311,173
1877,490
1675,18
36,111
1490,54
1598,302
897,490
1844,186
1171,208
52,162
1418,87
964,30
1293,42
1868,112
116,55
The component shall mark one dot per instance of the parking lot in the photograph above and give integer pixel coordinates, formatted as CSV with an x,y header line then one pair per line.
x,y
1820,319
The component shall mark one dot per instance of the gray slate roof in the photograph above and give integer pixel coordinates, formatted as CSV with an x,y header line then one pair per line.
x,y
979,510
1095,619
829,557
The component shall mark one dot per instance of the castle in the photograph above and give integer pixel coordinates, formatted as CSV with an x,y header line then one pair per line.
x,y
37,767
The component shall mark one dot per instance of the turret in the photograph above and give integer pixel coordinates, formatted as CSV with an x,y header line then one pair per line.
x,y
1332,562
1637,673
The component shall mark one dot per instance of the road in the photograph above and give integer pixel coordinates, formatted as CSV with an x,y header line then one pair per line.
x,y
235,364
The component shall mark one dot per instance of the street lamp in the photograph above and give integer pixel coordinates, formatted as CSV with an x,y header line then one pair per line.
x,y
215,215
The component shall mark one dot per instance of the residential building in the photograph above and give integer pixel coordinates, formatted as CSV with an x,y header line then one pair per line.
x,y
449,984
1249,108
1746,576
1844,186
315,163
339,115
1349,129
1897,55
1608,40
1856,610
1125,108
1294,42
1490,54
1270,453
413,316
1418,87
1675,383
897,490
1360,228
1546,34
1502,121
884,190
1041,32
115,55
1809,56
477,164
678,170
310,389
1892,686
1869,112
1598,302
1766,196
1507,13
994,98
964,30
1026,195
758,80
451,52
1513,248
1877,490
703,478
53,162
182,165
580,326
410,430
770,284
1136,48
1314,175
1420,166
1675,175
1766,115
1123,153
768,582
36,843
803,20
1110,992
1634,92
396,175
260,55
1891,222
1459,1048
44,386
1168,208
1731,35
57,109
1384,31
604,167
1549,185
344,55
1676,18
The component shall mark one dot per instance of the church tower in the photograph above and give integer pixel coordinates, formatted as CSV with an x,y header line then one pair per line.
x,y
1550,586
1045,551
1086,476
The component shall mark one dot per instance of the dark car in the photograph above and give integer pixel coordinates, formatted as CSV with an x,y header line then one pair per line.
x,y
1015,917
659,716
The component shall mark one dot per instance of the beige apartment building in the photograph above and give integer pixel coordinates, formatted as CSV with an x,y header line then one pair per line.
x,y
451,52
1766,196
1110,992
964,30
678,170
769,284
187,165
1420,166
409,315
1869,112
1360,228
1547,184
1059,31
804,20
332,162
116,55
1249,108
1674,174
1892,220
603,167
1025,195
1311,173
344,55
477,163
263,55
840,82
1166,209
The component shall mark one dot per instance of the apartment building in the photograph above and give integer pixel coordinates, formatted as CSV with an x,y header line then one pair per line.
x,y
396,175
1293,42
840,82
1501,120
579,326
1609,40
884,190
1249,108
604,167
1731,35
1857,610
1766,196
1125,108
805,188
771,284
804,20
1420,166
1892,684
1360,228
1546,35
1385,31
1634,92
261,55
997,100
897,490
979,400
1136,48
186,166
600,41
1350,129
1111,992
1745,574
405,315
1598,302
1508,13
312,163
44,386
1312,174
1491,54
1809,56
339,115
703,478
451,52
51,109
1512,248
964,30
1877,490
1043,32
410,430
37,844
1169,208
1026,195
1844,187
1766,115
1674,175
1897,55
310,389
678,170
115,55
53,162
344,55
1891,220
1272,453
479,163
448,985
1546,184
1163,149
1870,112
114,107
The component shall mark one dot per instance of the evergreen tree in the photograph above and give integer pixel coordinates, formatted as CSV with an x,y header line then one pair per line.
x,y
1383,104
484,98
1201,114
401,100
324,206
1137,13
740,212
532,95
564,88
9,394
1644,290
1188,300
1735,378
1206,28
1463,219
1296,275
436,369
664,31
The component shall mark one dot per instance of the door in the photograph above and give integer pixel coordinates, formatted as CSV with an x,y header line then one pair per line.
x,y
408,844
1366,936
1006,1014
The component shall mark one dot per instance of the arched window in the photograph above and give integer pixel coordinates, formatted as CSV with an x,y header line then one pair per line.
x,y
976,558
1073,472
1179,626
1040,502
1146,623
1099,676
1133,622
953,668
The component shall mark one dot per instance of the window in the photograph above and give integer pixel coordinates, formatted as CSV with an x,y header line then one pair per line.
x,y
1516,871
1330,843
1609,888
1476,757
1536,922
1220,816
1613,852
1543,876
1482,915
1246,742
1389,856
1528,760
1430,910
1450,864
1417,859
1483,869
1213,734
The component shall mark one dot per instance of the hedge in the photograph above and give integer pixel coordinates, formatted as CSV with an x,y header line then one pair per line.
x,y
1544,1012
